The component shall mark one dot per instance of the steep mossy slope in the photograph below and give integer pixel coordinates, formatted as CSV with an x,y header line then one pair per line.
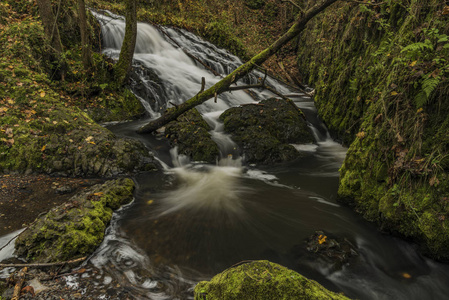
x,y
47,124
380,73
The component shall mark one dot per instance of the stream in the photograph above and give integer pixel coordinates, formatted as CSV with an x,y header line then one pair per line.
x,y
193,220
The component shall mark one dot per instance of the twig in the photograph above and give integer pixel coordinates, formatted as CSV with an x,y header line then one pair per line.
x,y
56,20
281,65
9,242
366,3
293,3
174,104
203,84
18,287
43,265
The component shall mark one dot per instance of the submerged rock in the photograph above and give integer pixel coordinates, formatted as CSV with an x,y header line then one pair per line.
x,y
264,131
77,227
190,133
261,280
335,252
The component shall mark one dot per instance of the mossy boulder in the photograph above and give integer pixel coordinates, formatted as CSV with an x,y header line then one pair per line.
x,y
190,133
262,280
77,227
264,131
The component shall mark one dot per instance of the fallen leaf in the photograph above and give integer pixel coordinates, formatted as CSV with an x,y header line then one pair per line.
x,y
43,148
434,181
394,93
413,63
9,132
406,275
89,138
149,202
42,94
361,135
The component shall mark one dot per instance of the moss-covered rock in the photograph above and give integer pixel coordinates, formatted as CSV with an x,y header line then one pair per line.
x,y
265,131
77,227
190,133
262,280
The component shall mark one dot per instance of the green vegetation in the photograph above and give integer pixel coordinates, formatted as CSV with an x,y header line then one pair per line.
x,y
261,280
45,124
190,133
77,227
381,76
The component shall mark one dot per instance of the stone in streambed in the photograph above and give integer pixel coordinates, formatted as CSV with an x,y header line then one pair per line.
x,y
264,131
190,133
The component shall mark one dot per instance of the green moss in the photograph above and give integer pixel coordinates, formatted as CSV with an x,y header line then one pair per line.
x,y
76,228
261,280
369,66
220,34
190,133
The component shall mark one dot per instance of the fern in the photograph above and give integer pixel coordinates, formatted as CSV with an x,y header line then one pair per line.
x,y
428,86
417,47
414,50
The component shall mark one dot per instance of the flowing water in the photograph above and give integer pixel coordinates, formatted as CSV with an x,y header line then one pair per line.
x,y
193,220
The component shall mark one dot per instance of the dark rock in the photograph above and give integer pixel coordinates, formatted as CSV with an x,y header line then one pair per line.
x,y
336,252
265,131
190,133
66,189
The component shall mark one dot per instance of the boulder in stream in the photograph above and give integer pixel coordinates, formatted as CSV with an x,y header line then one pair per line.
x,y
265,130
190,133
76,228
261,280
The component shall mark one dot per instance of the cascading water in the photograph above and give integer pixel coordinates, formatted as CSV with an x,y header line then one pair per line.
x,y
196,220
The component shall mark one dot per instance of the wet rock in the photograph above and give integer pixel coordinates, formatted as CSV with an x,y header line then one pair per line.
x,y
261,280
265,131
190,133
76,228
66,189
336,252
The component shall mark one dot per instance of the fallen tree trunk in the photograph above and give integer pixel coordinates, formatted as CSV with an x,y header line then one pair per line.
x,y
224,84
